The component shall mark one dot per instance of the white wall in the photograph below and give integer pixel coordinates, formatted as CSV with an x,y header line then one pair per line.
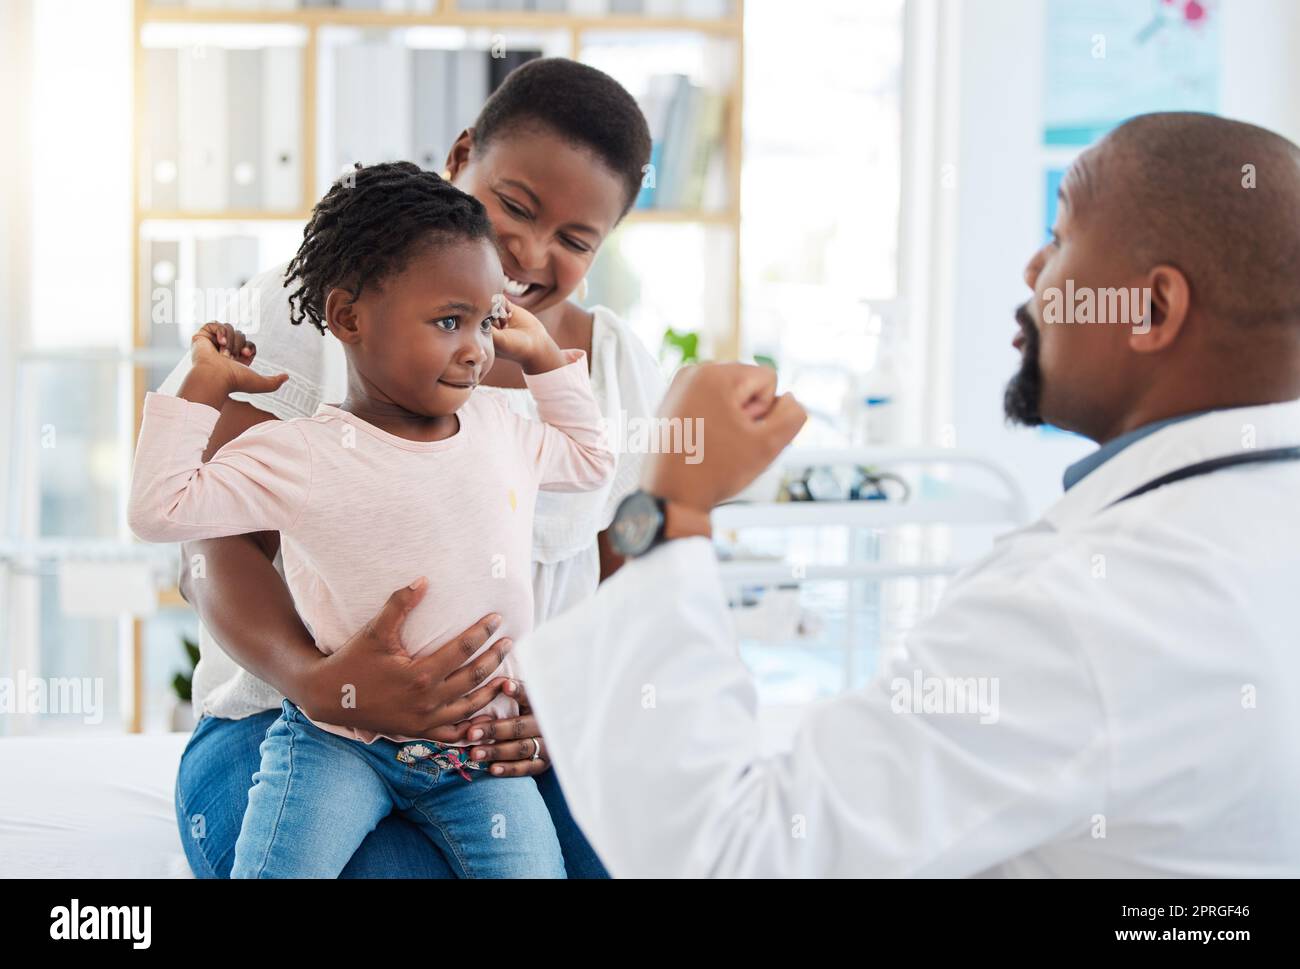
x,y
1261,64
1000,216
999,225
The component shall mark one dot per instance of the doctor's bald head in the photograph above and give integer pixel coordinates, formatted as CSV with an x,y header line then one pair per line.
x,y
1171,283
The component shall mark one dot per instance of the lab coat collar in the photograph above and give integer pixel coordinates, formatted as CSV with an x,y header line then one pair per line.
x,y
1213,435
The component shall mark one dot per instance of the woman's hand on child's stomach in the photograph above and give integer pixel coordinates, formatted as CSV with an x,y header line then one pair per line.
x,y
509,744
373,683
518,335
221,356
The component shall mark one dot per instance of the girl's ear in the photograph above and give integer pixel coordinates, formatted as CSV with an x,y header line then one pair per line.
x,y
341,316
458,157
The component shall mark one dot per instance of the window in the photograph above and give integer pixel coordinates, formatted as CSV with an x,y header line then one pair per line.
x,y
819,244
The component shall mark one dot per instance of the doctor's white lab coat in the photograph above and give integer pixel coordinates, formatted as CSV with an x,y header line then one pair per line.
x,y
1145,660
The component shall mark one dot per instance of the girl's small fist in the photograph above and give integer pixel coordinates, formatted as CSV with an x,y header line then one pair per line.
x,y
520,336
224,350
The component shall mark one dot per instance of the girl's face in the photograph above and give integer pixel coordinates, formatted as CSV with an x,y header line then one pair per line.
x,y
551,203
422,340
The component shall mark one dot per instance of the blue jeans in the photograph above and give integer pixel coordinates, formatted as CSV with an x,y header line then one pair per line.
x,y
212,787
317,795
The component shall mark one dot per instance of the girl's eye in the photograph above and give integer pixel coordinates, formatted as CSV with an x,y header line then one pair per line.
x,y
574,244
448,323
486,325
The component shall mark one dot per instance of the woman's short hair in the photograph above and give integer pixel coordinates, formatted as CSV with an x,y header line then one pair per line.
x,y
579,103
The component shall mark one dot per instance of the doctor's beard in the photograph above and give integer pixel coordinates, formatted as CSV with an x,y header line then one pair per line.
x,y
1024,393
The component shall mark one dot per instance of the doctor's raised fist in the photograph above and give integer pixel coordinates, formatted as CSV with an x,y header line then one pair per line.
x,y
740,426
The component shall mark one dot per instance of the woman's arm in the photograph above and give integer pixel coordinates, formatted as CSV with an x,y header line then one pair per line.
x,y
263,633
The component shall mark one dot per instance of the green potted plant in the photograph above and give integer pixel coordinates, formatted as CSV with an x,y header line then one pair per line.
x,y
183,687
681,348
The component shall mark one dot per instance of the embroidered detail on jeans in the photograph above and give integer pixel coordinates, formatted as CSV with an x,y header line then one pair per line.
x,y
443,755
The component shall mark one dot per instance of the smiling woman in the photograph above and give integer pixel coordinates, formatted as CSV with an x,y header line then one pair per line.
x,y
553,118
555,177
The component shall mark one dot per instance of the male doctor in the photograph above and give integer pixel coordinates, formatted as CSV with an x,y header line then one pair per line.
x,y
1144,636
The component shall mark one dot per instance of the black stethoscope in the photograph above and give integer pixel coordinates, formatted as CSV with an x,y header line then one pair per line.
x,y
1271,456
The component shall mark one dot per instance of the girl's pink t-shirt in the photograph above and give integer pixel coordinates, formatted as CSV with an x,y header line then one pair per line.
x,y
362,512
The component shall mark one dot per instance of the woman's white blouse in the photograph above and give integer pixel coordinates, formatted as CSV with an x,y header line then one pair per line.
x,y
627,384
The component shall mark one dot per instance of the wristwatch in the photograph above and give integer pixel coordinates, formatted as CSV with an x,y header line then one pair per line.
x,y
644,520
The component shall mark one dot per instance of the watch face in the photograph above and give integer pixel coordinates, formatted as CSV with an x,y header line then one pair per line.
x,y
636,524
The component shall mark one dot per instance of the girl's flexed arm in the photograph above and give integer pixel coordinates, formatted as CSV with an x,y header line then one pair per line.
x,y
568,446
220,357
258,481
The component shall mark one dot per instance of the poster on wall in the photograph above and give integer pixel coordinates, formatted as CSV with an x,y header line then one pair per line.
x,y
1108,60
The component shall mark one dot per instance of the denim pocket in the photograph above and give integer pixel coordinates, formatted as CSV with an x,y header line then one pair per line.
x,y
431,757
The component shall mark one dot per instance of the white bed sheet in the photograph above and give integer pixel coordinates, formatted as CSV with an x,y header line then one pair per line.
x,y
90,807
102,806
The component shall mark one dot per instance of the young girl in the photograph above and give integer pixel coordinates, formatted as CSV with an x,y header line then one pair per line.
x,y
556,177
400,267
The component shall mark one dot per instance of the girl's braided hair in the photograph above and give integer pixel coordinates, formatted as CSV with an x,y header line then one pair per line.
x,y
367,227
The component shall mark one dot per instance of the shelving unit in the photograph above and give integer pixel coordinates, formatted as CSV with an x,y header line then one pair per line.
x,y
955,504
961,505
312,22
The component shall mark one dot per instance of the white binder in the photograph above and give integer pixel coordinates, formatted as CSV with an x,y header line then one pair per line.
x,y
160,161
388,104
470,89
282,188
159,292
202,180
351,132
372,98
244,112
706,9
431,125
